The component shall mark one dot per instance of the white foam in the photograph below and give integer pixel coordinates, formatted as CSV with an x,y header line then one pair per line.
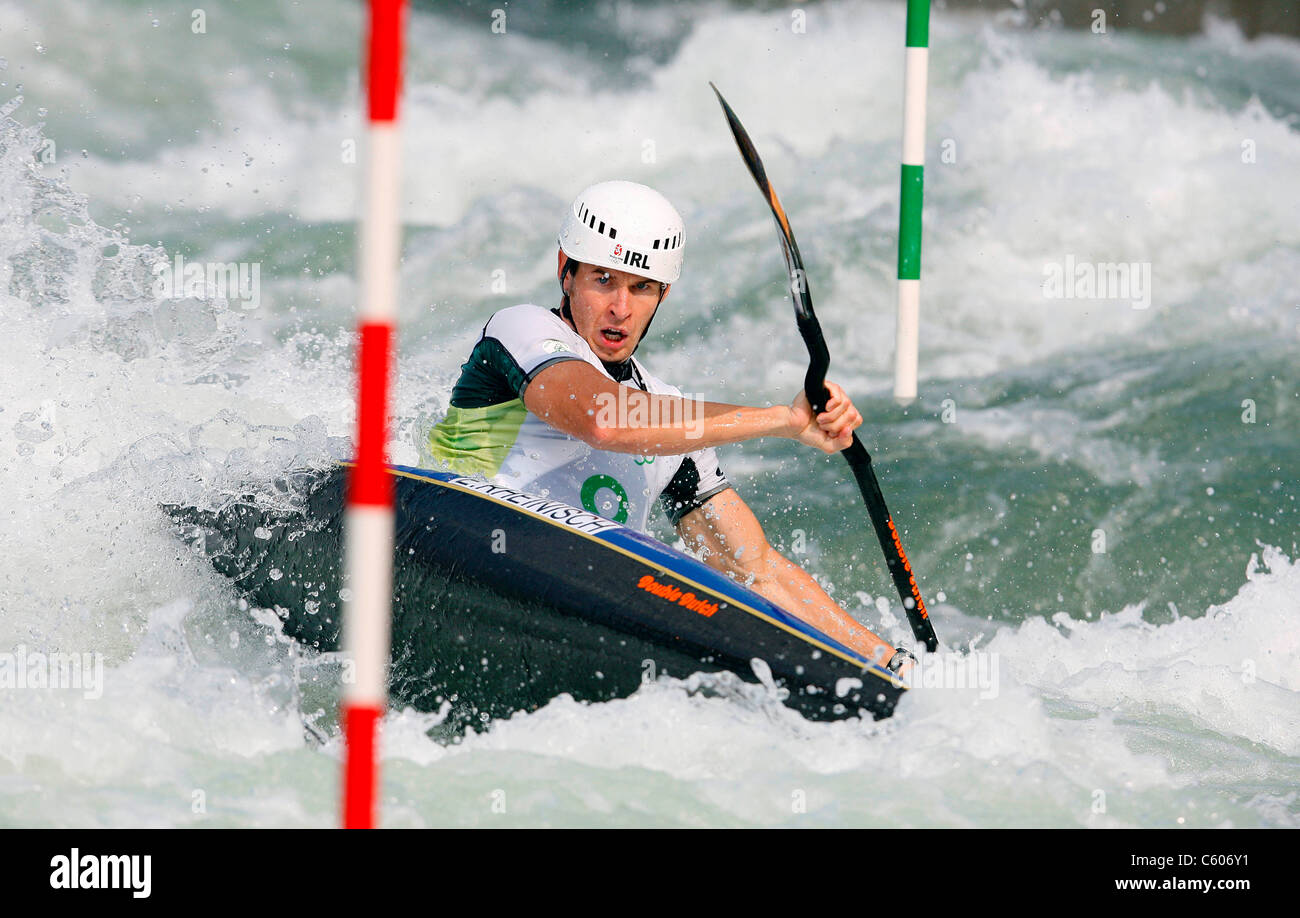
x,y
1234,671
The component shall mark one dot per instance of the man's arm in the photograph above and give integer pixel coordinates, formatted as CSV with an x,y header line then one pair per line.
x,y
574,397
734,543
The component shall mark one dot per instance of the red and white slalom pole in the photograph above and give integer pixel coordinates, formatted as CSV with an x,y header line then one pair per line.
x,y
368,574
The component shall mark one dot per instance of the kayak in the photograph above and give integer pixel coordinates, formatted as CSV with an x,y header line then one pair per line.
x,y
503,600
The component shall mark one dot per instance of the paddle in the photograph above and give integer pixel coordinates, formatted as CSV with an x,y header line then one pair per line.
x,y
819,359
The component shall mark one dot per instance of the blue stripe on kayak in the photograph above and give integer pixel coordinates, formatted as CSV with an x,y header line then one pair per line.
x,y
673,561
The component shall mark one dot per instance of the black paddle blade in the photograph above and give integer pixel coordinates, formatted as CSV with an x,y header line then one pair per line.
x,y
809,327
751,158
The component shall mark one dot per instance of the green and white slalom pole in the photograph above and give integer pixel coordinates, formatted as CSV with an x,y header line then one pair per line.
x,y
916,66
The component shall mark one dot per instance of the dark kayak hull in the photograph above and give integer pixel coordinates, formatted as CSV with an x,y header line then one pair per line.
x,y
501,601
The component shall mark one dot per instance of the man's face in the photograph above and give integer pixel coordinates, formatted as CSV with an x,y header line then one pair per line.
x,y
611,308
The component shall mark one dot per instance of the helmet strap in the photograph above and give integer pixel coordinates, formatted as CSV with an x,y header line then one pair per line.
x,y
570,267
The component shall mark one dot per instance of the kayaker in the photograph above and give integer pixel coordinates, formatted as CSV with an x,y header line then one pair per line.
x,y
551,401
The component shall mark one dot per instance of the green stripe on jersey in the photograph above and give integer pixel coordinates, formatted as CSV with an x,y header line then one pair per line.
x,y
476,441
489,377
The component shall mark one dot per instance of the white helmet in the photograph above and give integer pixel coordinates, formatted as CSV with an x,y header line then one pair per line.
x,y
628,227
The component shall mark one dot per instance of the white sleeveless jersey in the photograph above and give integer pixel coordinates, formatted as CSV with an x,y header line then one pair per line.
x,y
488,430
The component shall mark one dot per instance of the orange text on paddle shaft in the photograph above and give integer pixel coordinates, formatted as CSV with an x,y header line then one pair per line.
x,y
671,593
911,578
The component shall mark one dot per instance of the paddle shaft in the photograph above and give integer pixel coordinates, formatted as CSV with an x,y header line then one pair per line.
x,y
859,460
